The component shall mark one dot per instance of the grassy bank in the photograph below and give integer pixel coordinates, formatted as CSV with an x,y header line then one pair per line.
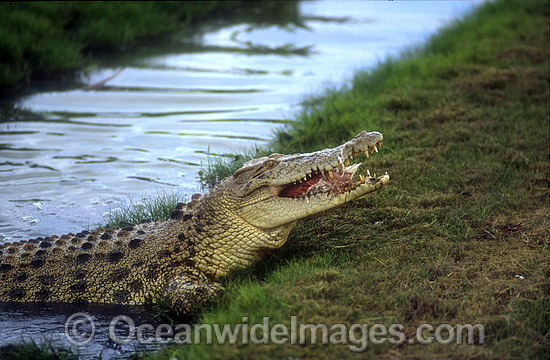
x,y
35,351
460,235
45,39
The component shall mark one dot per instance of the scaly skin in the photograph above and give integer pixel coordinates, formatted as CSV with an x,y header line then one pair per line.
x,y
180,259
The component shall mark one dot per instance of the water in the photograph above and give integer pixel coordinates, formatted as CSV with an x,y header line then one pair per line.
x,y
69,156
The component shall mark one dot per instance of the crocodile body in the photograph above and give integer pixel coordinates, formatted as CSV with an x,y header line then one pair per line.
x,y
180,260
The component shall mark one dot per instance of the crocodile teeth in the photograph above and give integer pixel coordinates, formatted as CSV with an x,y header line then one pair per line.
x,y
367,154
352,169
330,174
305,178
368,173
375,148
362,179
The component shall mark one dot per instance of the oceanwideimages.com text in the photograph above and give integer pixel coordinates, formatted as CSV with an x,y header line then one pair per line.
x,y
80,330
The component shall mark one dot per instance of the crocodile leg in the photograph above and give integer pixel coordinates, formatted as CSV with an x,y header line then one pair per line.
x,y
186,295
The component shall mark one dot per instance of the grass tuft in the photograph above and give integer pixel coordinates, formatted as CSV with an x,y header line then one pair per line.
x,y
153,209
31,350
218,168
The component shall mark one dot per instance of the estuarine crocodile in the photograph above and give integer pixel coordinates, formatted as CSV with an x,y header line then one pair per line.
x,y
180,260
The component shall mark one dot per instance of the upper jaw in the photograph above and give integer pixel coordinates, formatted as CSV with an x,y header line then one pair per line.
x,y
327,170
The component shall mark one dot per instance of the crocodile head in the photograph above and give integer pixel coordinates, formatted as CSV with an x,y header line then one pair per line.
x,y
278,190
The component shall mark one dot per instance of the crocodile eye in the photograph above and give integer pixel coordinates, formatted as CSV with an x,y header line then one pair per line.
x,y
271,164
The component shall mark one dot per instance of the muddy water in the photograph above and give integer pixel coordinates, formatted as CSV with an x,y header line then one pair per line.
x,y
146,121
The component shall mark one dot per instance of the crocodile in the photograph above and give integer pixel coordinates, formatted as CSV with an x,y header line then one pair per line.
x,y
181,260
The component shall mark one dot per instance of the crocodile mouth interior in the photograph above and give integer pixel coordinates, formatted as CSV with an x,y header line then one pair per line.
x,y
332,181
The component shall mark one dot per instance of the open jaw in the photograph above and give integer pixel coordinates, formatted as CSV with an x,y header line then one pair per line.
x,y
334,180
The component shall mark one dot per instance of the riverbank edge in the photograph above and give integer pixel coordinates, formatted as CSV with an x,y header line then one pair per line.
x,y
459,236
53,41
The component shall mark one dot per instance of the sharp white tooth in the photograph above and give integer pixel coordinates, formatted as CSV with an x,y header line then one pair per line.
x,y
322,172
386,173
375,148
305,178
362,179
367,154
330,174
368,173
352,169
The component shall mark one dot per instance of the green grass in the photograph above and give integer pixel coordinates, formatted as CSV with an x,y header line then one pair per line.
x,y
31,350
218,168
151,209
466,126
